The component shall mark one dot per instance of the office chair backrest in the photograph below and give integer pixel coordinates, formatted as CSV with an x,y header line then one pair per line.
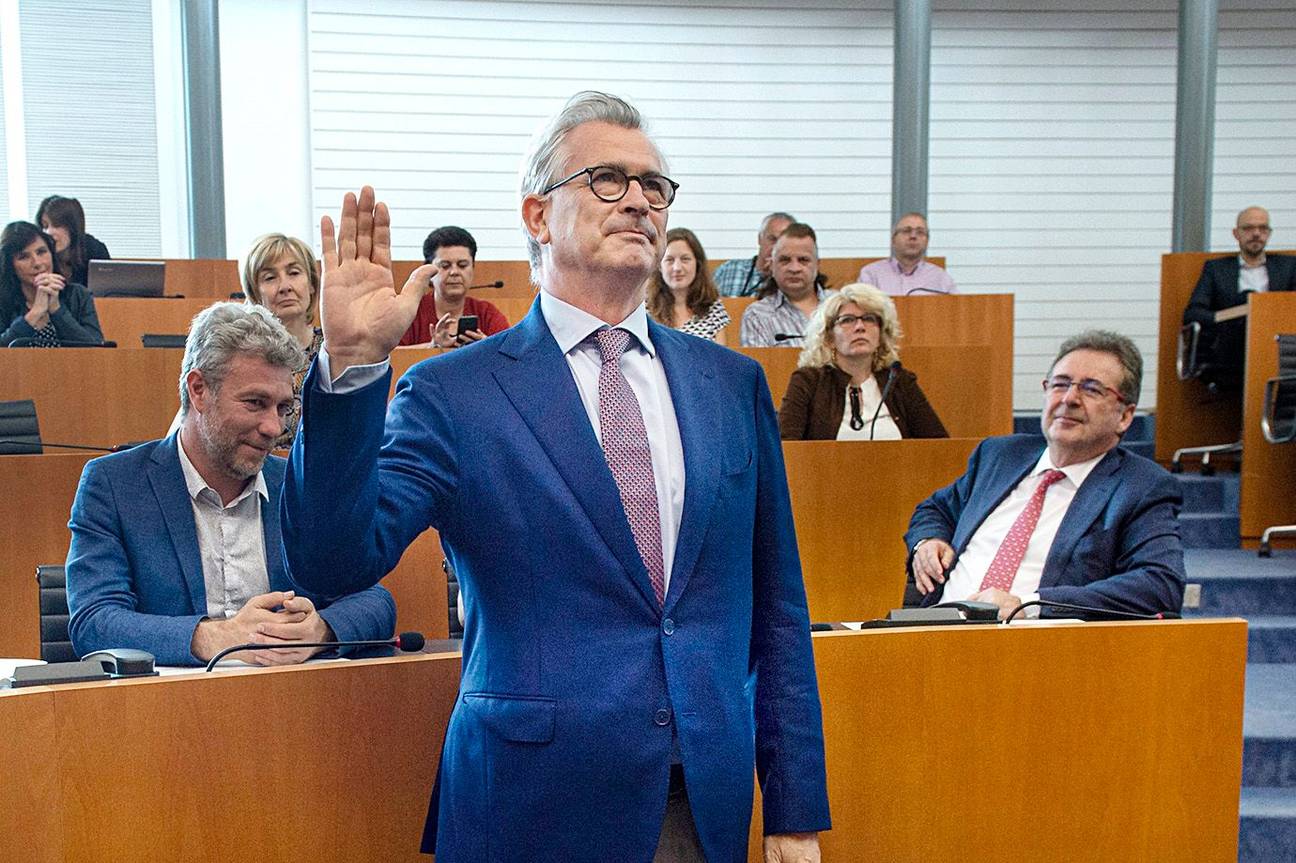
x,y
1281,414
19,431
56,645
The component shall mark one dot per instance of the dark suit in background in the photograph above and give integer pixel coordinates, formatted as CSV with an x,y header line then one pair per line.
x,y
1224,345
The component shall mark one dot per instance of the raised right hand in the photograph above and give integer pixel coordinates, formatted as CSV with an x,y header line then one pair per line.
x,y
930,561
362,315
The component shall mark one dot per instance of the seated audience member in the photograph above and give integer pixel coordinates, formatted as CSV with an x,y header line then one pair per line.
x,y
908,271
453,252
64,220
280,273
742,277
836,394
790,295
176,544
36,301
1073,518
1225,282
681,294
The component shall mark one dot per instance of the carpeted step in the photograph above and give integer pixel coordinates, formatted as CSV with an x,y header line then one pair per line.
x,y
1271,639
1210,530
1267,828
1238,583
1210,494
1269,726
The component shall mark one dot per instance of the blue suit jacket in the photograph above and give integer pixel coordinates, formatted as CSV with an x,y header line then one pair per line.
x,y
134,571
1117,547
577,688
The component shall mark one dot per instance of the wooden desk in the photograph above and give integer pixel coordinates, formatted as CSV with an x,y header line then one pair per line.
x,y
125,319
973,399
95,396
1268,470
36,493
214,278
851,503
306,762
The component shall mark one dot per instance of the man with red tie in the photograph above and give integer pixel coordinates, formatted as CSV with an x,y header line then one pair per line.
x,y
1079,520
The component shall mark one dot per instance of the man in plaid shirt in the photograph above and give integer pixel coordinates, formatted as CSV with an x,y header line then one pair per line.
x,y
741,277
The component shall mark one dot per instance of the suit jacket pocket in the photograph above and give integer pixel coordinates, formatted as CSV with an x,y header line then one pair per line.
x,y
519,718
736,462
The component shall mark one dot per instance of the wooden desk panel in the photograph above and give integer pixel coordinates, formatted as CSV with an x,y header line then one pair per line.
x,y
125,319
1093,742
95,396
418,584
1186,413
851,503
215,278
306,762
972,398
1268,470
36,493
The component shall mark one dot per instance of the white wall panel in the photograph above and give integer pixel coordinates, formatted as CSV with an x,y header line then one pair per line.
x,y
90,115
756,105
1052,166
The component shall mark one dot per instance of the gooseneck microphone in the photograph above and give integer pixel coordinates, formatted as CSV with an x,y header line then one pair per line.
x,y
498,283
28,443
1097,613
408,642
886,390
783,337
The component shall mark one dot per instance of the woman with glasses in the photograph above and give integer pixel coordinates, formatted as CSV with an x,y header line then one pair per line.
x,y
846,368
38,305
681,292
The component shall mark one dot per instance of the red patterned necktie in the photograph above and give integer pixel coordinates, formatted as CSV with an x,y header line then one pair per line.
x,y
625,446
1007,560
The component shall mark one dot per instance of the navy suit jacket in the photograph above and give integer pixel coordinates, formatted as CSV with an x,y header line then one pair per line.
x,y
1217,287
1117,547
134,570
577,689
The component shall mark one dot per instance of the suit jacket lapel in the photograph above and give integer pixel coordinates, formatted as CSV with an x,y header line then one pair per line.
x,y
276,574
541,388
691,382
167,480
984,500
1087,505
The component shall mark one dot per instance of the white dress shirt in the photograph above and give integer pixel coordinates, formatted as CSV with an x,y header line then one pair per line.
x,y
231,540
1252,278
870,398
573,330
965,579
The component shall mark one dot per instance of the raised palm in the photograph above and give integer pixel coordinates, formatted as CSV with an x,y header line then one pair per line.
x,y
362,314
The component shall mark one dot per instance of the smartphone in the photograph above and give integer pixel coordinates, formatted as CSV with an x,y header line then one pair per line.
x,y
466,323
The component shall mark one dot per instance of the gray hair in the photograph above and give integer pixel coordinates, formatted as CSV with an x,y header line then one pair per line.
x,y
223,331
777,215
818,350
544,162
1120,347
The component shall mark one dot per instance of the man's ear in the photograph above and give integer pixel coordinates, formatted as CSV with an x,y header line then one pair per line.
x,y
535,216
1127,417
200,394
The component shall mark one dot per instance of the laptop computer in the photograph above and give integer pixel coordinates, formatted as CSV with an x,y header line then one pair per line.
x,y
126,278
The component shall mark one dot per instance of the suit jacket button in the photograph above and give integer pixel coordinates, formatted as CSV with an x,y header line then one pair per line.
x,y
662,717
668,626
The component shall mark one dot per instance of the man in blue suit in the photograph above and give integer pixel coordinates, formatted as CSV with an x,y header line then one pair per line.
x,y
176,546
611,494
1073,519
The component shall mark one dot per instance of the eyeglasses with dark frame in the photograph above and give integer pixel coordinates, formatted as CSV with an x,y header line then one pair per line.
x,y
609,183
847,321
1089,388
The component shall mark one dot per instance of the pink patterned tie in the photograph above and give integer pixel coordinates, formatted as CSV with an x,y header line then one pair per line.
x,y
1007,560
625,446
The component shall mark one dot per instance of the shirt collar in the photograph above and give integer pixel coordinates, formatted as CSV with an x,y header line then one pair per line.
x,y
895,265
1076,473
196,485
572,326
780,298
1244,265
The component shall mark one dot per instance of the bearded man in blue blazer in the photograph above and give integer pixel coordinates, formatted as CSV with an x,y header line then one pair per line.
x,y
1074,518
612,496
175,544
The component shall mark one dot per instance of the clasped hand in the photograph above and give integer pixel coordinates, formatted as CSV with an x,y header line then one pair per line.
x,y
275,619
